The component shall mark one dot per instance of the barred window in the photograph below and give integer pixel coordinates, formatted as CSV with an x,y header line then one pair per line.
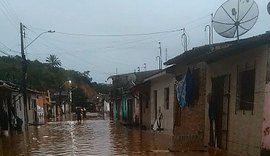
x,y
245,89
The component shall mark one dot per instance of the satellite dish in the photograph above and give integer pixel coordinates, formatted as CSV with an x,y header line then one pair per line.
x,y
268,7
132,79
235,18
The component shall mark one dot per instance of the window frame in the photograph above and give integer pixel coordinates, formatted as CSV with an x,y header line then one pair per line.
x,y
167,98
245,91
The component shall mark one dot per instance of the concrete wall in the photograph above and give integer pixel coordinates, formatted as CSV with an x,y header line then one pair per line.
x,y
266,121
168,114
266,114
244,127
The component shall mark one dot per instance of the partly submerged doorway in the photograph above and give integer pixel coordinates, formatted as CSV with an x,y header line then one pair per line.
x,y
219,111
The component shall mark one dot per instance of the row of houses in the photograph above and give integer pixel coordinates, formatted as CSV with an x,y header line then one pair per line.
x,y
217,94
14,114
39,107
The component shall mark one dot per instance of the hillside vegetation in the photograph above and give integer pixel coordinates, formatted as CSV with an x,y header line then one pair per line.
x,y
46,76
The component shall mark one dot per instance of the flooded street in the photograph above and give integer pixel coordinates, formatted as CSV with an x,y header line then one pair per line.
x,y
92,137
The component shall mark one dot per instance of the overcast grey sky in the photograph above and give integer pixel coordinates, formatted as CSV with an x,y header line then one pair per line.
x,y
102,55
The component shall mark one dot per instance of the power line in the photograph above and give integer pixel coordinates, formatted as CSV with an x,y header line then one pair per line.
x,y
4,53
118,35
9,49
111,35
6,13
11,10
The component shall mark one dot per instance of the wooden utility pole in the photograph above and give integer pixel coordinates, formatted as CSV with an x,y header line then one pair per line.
x,y
24,75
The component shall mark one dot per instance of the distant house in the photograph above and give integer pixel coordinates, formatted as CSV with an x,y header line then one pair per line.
x,y
60,103
125,107
8,106
12,107
235,77
188,116
43,106
141,93
162,102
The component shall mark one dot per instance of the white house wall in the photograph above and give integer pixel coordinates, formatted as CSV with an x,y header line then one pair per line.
x,y
19,105
244,129
31,108
168,114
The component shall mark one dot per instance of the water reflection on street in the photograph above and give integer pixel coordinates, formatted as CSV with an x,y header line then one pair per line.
x,y
93,137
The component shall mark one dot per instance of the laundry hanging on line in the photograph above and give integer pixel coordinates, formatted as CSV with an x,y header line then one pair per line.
x,y
184,90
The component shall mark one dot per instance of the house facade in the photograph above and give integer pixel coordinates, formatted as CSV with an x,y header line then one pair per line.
x,y
125,102
43,106
12,107
7,109
142,95
162,101
238,83
235,97
187,121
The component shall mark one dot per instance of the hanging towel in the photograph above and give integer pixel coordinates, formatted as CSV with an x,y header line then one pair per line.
x,y
181,92
184,90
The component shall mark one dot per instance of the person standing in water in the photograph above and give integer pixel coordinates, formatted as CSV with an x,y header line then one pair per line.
x,y
79,114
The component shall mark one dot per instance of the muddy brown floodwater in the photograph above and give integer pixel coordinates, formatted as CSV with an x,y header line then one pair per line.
x,y
93,137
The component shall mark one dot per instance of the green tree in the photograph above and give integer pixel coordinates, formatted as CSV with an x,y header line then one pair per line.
x,y
53,61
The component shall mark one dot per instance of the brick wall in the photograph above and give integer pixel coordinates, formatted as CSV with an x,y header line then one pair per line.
x,y
190,121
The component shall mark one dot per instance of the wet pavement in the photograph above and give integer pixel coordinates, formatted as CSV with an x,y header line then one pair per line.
x,y
95,136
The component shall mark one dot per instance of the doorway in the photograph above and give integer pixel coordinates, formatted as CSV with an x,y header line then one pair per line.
x,y
220,100
155,104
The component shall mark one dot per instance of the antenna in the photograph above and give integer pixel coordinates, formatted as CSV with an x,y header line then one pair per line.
x,y
212,28
210,31
184,39
166,54
132,79
159,58
268,8
235,18
144,66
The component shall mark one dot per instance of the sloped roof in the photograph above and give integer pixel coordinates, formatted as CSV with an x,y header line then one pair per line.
x,y
219,50
13,87
129,80
8,86
140,76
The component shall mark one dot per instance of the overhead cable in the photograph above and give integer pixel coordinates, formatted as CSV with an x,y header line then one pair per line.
x,y
118,35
